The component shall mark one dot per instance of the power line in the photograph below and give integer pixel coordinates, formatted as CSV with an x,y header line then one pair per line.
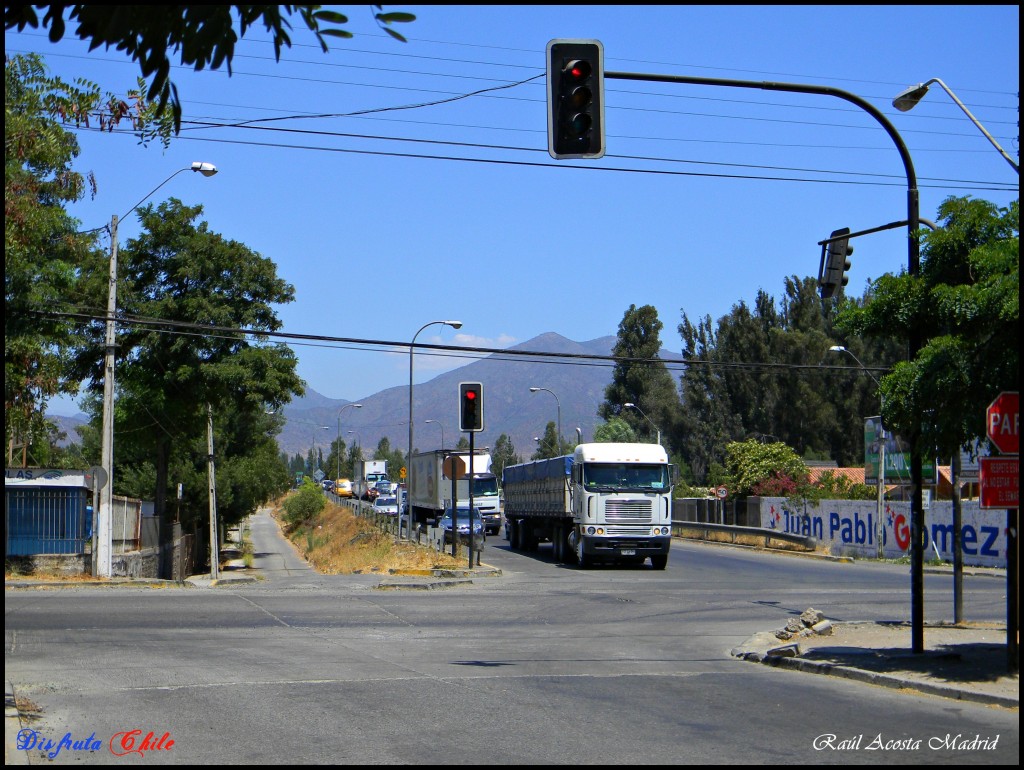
x,y
444,350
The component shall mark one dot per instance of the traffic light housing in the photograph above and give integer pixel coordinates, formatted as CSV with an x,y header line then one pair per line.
x,y
471,406
835,263
575,99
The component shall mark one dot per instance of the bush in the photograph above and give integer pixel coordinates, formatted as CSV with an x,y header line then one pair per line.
x,y
302,508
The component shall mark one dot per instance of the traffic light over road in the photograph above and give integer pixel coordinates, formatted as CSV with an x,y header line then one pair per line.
x,y
471,406
835,264
575,99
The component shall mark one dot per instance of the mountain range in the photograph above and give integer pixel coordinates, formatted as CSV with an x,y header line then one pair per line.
x,y
576,391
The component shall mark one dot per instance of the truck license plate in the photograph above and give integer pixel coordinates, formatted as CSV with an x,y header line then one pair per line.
x,y
628,552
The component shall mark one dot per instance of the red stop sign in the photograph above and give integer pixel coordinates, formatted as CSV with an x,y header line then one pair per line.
x,y
1002,420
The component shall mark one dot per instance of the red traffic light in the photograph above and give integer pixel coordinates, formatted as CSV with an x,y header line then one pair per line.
x,y
578,69
575,97
471,406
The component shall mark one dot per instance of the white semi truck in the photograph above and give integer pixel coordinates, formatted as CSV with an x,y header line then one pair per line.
x,y
366,474
604,502
431,486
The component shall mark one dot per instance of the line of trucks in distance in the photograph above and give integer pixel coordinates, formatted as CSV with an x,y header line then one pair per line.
x,y
606,502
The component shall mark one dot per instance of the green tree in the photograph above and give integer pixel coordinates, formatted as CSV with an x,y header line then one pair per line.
x,y
205,35
336,459
549,445
614,430
43,252
756,468
965,304
746,336
640,378
180,272
355,454
708,422
504,454
395,457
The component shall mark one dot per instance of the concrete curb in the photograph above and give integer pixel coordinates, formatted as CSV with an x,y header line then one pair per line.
x,y
12,725
871,677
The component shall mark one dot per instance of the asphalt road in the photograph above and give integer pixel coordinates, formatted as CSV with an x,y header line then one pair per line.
x,y
545,664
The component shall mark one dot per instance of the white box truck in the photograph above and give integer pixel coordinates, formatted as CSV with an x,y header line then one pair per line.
x,y
604,502
431,485
367,473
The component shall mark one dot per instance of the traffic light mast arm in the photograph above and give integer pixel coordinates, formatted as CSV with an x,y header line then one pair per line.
x,y
913,269
892,225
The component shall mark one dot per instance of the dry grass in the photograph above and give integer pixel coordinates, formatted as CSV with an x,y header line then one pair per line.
x,y
340,543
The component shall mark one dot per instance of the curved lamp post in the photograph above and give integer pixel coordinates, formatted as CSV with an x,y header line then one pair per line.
x,y
441,426
906,100
412,348
313,449
104,522
355,406
558,406
634,406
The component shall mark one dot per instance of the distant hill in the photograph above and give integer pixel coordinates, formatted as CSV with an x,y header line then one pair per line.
x,y
67,426
509,405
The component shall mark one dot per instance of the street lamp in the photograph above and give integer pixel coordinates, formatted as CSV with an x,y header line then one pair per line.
x,y
880,506
412,348
104,523
906,100
634,406
559,407
441,426
356,406
313,450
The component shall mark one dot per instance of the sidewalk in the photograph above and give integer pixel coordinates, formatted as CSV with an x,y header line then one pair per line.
x,y
968,662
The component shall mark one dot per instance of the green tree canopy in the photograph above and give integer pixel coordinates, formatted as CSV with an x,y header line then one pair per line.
x,y
639,378
965,302
43,250
503,455
614,431
178,278
204,35
749,464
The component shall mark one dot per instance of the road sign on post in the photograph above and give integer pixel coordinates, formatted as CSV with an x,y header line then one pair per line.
x,y
1000,482
1002,422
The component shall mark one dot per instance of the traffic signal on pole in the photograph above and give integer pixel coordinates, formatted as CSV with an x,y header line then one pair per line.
x,y
471,406
835,263
575,99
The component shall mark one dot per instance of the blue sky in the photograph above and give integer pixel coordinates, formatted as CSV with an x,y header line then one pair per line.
x,y
389,220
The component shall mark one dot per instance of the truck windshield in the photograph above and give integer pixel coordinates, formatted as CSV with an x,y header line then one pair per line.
x,y
485,487
625,476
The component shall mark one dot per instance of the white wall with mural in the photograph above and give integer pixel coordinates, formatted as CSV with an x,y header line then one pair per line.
x,y
850,528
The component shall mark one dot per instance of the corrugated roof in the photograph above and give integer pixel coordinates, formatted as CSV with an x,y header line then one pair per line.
x,y
855,475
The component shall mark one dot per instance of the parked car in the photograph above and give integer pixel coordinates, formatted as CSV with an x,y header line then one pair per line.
x,y
385,505
343,488
445,522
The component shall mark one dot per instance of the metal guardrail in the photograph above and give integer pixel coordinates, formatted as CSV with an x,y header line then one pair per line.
x,y
768,535
389,524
